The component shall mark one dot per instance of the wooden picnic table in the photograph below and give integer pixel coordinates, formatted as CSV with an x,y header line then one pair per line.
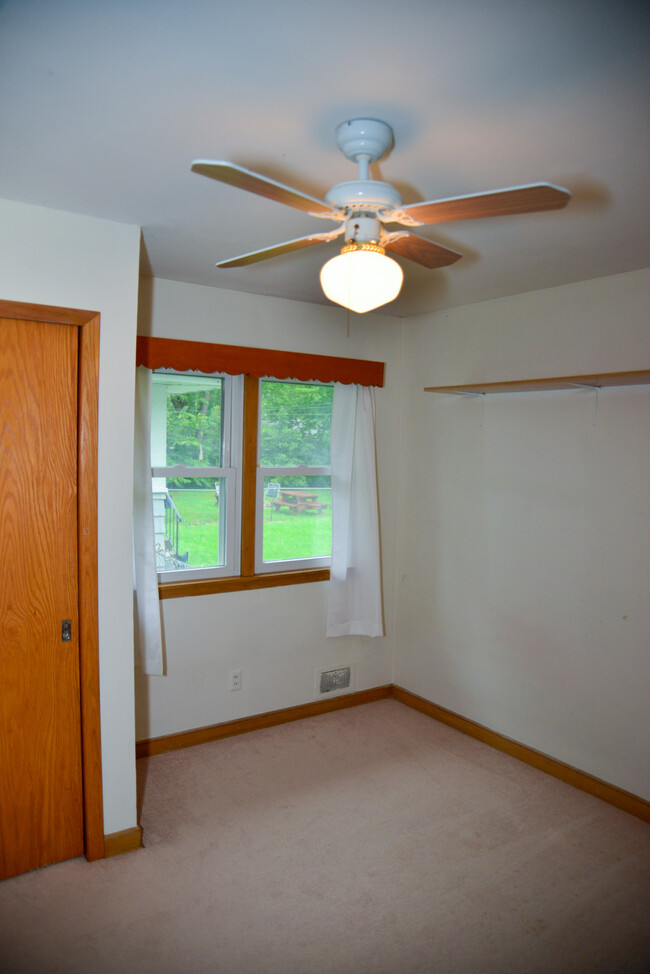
x,y
298,500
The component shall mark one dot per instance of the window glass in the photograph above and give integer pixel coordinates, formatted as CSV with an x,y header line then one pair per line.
x,y
295,421
194,409
297,518
189,535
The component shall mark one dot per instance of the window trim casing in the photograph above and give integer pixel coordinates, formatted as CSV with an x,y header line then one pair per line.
x,y
253,363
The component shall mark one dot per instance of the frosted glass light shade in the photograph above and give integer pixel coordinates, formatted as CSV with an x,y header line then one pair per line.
x,y
361,279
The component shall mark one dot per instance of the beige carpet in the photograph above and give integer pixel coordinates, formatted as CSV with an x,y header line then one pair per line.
x,y
370,841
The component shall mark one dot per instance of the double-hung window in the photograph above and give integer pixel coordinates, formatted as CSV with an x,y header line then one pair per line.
x,y
240,463
294,483
196,473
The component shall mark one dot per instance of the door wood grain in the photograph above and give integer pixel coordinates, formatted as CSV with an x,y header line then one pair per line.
x,y
41,789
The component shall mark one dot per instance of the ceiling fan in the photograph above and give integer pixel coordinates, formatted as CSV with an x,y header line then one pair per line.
x,y
364,207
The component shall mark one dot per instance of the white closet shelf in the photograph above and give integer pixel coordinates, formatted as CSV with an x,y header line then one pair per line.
x,y
598,381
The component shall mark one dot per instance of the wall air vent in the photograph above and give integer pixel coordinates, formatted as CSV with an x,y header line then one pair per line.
x,y
329,682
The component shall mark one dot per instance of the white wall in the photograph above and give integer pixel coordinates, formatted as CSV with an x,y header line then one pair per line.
x,y
519,590
277,635
523,599
55,258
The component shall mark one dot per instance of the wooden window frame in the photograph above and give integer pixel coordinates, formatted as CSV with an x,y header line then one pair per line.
x,y
253,364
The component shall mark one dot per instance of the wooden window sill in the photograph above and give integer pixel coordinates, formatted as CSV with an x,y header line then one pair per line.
x,y
240,583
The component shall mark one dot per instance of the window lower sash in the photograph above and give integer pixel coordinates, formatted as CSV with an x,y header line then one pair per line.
x,y
226,498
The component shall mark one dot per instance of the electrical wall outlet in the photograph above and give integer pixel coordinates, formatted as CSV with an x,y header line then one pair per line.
x,y
235,680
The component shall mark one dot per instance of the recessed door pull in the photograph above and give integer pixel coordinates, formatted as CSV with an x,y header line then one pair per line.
x,y
66,630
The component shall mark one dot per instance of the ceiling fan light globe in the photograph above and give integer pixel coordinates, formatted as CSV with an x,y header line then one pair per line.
x,y
361,280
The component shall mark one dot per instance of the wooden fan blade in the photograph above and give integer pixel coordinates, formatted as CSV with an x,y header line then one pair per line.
x,y
498,202
227,172
284,248
422,251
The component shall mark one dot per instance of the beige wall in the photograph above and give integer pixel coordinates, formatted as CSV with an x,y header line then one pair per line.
x,y
523,600
275,636
49,257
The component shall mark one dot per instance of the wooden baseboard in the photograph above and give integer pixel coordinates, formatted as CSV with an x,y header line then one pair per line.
x,y
215,732
126,841
624,800
579,779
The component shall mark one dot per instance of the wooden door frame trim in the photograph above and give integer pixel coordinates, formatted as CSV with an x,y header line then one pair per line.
x,y
87,440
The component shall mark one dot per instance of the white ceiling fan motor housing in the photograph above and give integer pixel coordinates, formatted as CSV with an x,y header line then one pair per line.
x,y
364,195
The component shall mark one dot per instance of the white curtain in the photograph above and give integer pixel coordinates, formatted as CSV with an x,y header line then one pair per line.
x,y
148,623
355,597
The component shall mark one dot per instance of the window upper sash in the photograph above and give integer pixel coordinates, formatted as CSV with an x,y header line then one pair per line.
x,y
174,353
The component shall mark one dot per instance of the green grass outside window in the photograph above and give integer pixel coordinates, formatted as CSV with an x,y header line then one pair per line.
x,y
300,535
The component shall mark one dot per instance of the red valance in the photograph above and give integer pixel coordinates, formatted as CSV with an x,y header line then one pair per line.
x,y
174,353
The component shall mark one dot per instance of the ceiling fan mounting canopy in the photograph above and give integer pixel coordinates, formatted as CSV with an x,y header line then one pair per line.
x,y
361,208
364,138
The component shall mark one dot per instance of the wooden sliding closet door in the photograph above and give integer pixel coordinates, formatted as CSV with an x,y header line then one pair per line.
x,y
41,788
